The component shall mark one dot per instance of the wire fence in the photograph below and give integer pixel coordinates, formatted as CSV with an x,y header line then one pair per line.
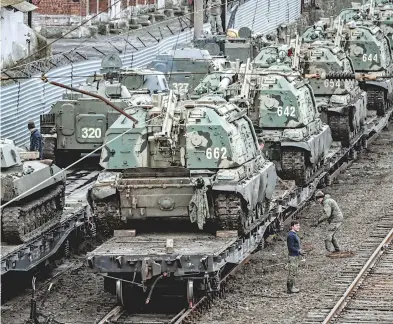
x,y
27,100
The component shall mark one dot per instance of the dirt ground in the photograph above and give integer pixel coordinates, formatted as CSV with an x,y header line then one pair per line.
x,y
77,294
258,294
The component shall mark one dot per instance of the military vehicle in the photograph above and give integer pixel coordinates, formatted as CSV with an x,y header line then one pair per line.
x,y
184,68
77,123
343,105
196,159
385,20
236,45
28,213
370,52
369,10
380,12
282,106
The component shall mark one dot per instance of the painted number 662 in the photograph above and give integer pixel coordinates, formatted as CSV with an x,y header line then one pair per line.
x,y
216,153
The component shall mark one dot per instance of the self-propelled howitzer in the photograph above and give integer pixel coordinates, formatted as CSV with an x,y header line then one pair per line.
x,y
195,159
343,105
284,111
370,52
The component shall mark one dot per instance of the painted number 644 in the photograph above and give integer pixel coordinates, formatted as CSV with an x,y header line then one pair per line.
x,y
370,57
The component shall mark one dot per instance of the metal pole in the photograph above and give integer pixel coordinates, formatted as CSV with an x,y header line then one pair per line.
x,y
224,19
198,18
30,17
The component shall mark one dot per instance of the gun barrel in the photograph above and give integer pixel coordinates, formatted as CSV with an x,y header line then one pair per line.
x,y
344,76
57,84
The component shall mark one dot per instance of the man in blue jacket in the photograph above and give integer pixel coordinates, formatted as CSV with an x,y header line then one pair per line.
x,y
294,253
36,142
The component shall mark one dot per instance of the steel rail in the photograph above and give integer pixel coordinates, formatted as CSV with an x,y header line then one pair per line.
x,y
338,308
195,307
114,312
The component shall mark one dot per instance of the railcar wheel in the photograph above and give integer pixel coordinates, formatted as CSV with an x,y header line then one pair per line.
x,y
119,292
258,210
190,293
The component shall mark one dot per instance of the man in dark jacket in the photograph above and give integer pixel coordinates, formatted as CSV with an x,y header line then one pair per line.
x,y
334,217
294,253
36,143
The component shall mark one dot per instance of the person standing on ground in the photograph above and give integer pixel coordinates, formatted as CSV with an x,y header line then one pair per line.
x,y
36,142
334,217
294,253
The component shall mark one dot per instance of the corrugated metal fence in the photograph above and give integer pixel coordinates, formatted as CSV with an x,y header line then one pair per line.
x,y
27,100
265,16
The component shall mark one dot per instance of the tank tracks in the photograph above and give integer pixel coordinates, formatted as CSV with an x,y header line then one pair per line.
x,y
293,163
27,220
107,215
376,101
230,213
49,148
341,129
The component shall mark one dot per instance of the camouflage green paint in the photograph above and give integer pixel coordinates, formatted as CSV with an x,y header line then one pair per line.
x,y
368,48
335,97
79,122
323,57
177,164
273,55
192,64
285,101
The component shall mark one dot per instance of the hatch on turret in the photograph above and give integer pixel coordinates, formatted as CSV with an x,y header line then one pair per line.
x,y
111,63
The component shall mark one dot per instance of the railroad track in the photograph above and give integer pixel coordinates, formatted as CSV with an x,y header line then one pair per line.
x,y
191,315
77,183
120,316
367,281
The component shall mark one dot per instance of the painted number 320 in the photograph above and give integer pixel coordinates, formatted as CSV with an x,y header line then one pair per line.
x,y
216,153
91,132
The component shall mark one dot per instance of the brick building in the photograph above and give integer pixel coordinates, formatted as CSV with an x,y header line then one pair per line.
x,y
82,7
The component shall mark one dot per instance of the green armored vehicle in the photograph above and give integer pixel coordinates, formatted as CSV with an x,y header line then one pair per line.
x,y
370,52
29,213
343,105
384,20
236,45
192,159
283,108
77,123
186,67
380,12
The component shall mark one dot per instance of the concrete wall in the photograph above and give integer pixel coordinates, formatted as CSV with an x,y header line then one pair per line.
x,y
14,38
